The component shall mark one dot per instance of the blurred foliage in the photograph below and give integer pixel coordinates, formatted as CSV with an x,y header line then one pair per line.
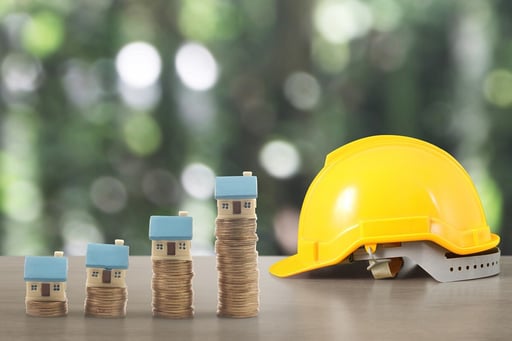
x,y
93,143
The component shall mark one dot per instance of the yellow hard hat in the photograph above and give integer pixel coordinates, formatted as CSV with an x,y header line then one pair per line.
x,y
393,191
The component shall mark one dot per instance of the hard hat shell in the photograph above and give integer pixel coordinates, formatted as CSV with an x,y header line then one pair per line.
x,y
387,189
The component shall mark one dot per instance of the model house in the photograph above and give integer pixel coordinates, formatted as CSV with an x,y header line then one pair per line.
x,y
170,236
236,196
107,264
46,277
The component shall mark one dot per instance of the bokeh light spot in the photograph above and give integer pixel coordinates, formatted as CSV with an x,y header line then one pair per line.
x,y
280,159
43,34
138,64
24,202
196,67
341,21
20,72
302,90
142,134
198,180
108,194
498,88
80,84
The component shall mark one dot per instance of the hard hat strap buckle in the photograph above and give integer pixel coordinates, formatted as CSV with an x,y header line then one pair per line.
x,y
382,268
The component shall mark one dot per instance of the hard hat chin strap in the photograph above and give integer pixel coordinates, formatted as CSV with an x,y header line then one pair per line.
x,y
386,262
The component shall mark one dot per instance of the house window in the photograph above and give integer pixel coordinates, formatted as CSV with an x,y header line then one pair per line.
x,y
247,204
117,274
56,287
33,287
225,206
95,274
182,246
159,246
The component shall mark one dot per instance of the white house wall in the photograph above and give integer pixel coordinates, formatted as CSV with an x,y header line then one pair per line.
x,y
247,209
97,281
160,253
36,295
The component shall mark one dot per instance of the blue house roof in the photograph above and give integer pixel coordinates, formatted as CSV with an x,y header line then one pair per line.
x,y
170,228
108,256
46,269
236,187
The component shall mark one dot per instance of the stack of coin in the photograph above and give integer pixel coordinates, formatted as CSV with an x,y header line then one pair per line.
x,y
47,308
237,265
172,288
106,302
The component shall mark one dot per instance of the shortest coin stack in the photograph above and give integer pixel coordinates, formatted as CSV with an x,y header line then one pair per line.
x,y
47,308
172,288
105,302
45,282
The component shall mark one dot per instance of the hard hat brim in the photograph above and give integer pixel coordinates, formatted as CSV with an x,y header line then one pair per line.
x,y
288,267
295,265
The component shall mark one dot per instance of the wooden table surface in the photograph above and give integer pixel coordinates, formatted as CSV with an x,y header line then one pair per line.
x,y
342,303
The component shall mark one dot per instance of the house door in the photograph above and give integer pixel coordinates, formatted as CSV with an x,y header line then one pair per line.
x,y
106,276
237,207
45,289
171,249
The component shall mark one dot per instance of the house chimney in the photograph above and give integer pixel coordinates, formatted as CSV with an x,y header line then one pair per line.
x,y
119,242
247,173
58,254
183,213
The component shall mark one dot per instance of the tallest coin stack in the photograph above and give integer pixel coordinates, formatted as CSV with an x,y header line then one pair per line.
x,y
237,258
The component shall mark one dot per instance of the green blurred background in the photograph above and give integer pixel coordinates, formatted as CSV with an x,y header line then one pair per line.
x,y
112,111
